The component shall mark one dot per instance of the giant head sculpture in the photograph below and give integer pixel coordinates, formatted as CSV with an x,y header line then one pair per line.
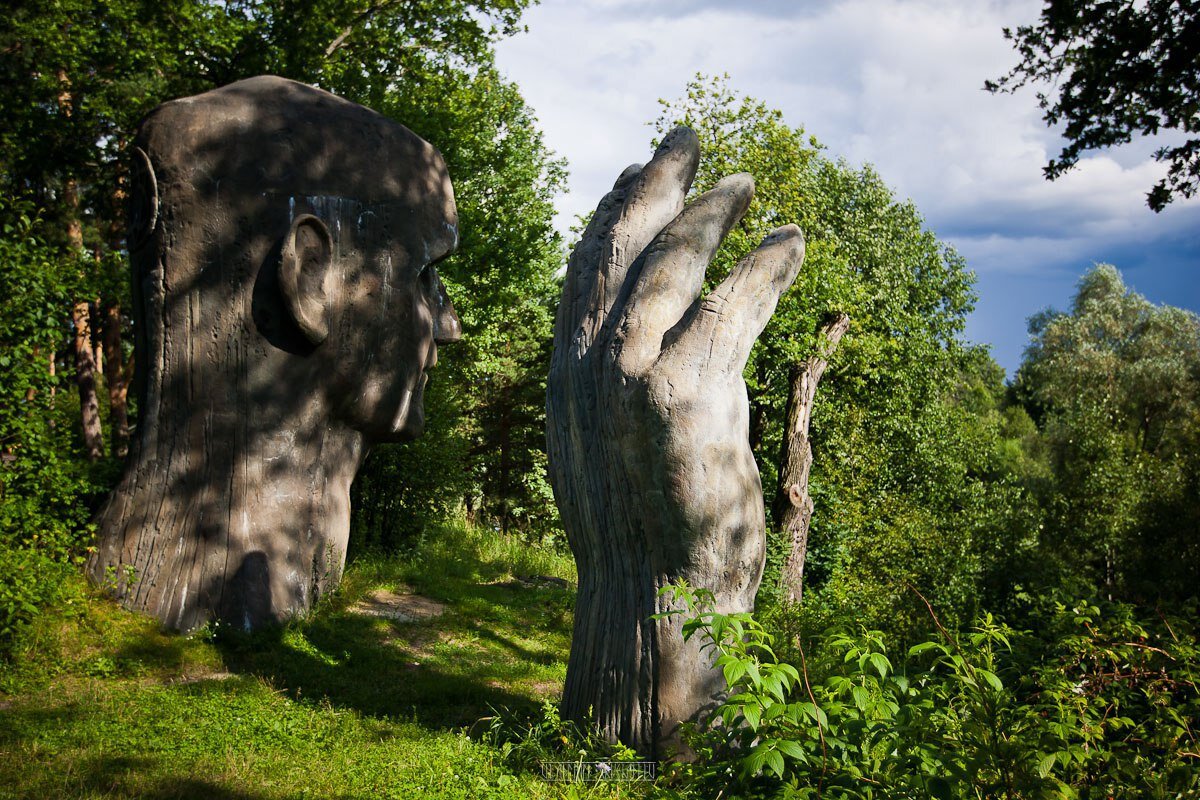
x,y
287,306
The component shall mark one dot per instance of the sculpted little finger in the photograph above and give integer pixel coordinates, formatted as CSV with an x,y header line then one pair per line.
x,y
721,328
750,292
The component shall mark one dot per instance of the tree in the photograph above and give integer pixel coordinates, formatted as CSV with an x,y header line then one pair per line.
x,y
1120,68
485,443
70,94
45,494
793,503
1114,386
885,455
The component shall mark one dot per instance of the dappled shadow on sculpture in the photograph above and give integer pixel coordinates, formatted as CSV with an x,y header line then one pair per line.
x,y
648,434
287,310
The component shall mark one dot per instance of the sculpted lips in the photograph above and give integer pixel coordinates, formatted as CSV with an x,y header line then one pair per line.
x,y
430,362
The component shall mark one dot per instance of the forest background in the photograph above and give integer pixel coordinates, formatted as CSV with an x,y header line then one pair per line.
x,y
937,486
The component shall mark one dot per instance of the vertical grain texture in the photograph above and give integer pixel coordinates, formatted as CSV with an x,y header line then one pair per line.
x,y
648,439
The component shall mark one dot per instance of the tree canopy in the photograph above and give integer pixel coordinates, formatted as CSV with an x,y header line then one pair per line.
x,y
893,460
1116,69
75,78
1114,386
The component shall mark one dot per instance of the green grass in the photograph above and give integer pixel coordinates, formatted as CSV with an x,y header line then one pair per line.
x,y
99,703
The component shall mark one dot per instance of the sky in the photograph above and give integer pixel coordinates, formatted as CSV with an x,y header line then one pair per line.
x,y
892,83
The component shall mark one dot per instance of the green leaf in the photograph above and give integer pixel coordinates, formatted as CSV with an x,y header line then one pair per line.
x,y
991,679
792,750
925,647
881,664
752,763
733,671
773,684
753,673
775,762
753,715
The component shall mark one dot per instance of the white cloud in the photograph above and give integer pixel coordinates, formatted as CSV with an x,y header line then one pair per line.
x,y
896,84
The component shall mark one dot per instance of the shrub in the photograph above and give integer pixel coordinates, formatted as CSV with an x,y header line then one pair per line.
x,y
47,493
1099,704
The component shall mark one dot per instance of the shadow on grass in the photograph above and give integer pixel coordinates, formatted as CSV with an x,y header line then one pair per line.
x,y
124,777
151,650
118,777
384,668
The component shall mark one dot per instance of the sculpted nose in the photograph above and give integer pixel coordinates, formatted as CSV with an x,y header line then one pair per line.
x,y
446,326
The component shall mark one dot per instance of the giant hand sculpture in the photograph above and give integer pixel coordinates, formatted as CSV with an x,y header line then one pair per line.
x,y
648,437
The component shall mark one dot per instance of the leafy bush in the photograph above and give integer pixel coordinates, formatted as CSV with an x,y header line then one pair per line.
x,y
46,494
1100,704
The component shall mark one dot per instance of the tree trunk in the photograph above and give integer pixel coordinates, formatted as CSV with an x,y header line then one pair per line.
x,y
96,326
793,505
505,442
81,311
117,372
85,379
31,392
759,408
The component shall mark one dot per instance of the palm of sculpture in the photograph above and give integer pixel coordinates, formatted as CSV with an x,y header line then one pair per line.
x,y
648,436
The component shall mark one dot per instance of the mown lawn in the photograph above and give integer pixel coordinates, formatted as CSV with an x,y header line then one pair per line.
x,y
345,704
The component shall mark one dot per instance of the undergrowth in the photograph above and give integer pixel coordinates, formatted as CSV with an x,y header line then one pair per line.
x,y
436,673
1101,701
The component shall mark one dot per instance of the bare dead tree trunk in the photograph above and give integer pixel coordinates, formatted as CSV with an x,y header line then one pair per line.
x,y
117,373
81,311
793,505
85,379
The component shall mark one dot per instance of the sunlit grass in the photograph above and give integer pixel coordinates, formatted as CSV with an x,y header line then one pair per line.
x,y
99,703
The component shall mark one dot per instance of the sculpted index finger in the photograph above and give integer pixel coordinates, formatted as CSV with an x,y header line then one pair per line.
x,y
655,198
584,265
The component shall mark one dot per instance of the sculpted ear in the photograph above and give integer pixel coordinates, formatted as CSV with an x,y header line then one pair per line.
x,y
304,273
142,214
